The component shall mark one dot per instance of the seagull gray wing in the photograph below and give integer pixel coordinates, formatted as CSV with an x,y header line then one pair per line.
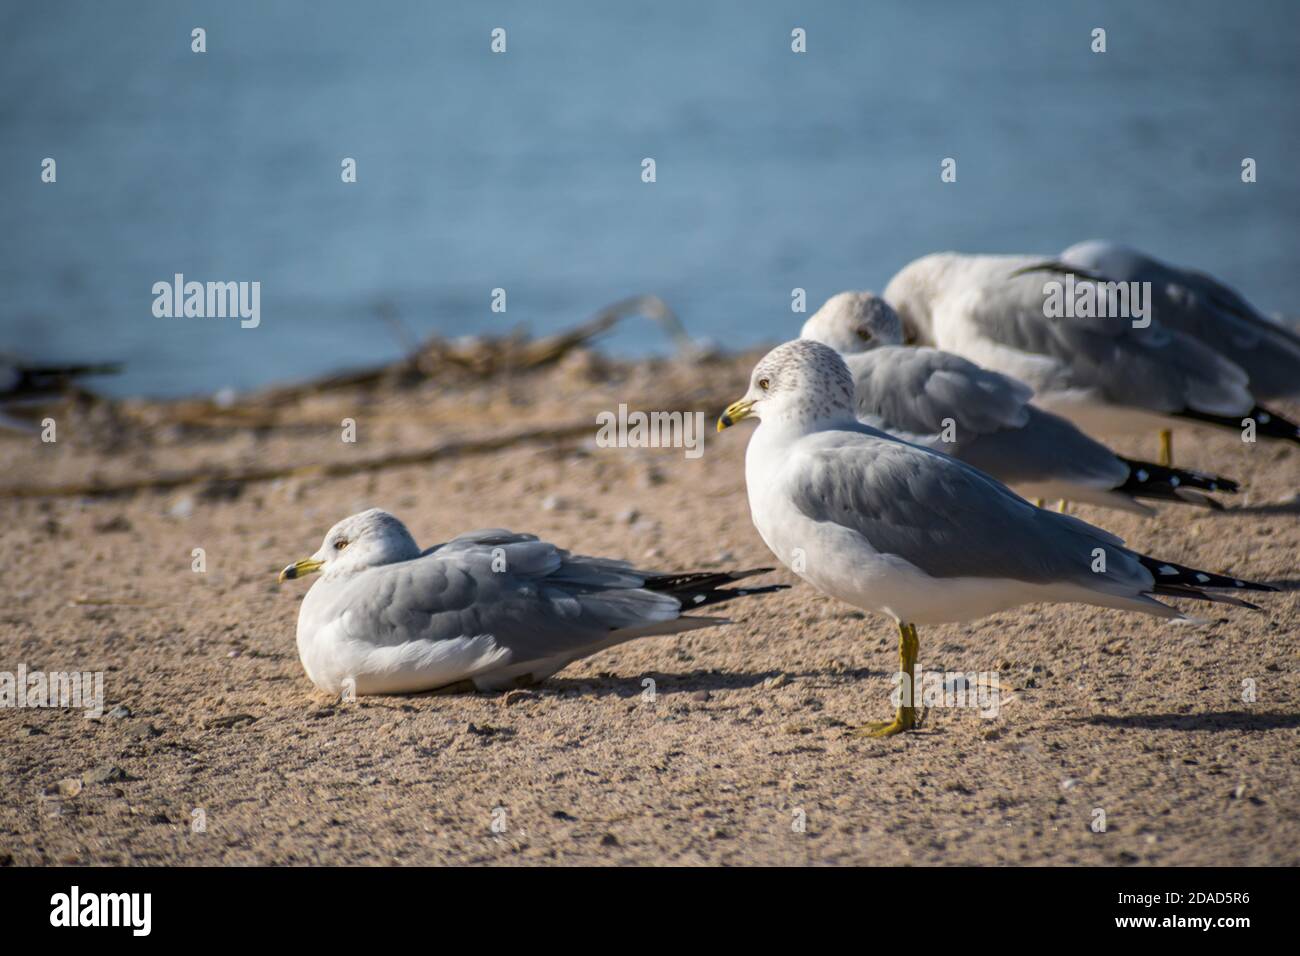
x,y
1200,305
1154,368
919,391
528,597
943,516
1047,448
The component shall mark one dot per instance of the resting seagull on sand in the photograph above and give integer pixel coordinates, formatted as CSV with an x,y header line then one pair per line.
x,y
490,608
1100,372
916,535
1200,306
940,400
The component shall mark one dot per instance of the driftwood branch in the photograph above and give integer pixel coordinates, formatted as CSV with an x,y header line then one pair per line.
x,y
487,357
477,358
274,407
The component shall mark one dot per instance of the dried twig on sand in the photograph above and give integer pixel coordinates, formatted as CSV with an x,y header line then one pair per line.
x,y
276,407
481,357
436,358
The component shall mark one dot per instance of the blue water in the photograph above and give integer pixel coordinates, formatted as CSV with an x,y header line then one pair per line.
x,y
523,170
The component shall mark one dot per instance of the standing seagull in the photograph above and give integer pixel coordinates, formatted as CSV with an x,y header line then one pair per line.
x,y
913,534
490,608
940,400
1101,372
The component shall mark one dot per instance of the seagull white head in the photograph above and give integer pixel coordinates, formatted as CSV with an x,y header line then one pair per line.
x,y
853,322
801,382
365,540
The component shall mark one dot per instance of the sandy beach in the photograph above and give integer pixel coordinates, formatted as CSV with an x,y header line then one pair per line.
x,y
214,748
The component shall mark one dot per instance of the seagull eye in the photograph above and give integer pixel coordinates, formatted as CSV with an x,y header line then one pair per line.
x,y
340,544
764,384
864,334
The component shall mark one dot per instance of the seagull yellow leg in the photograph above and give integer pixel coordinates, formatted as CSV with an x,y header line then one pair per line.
x,y
1038,502
1061,505
1166,448
909,645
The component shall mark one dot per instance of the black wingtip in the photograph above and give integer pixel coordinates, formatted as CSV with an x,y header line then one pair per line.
x,y
1268,423
698,580
1195,594
765,589
749,573
699,599
1147,479
1169,574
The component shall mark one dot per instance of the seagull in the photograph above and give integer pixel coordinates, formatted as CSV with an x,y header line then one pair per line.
x,y
916,535
1198,305
488,609
1100,372
940,400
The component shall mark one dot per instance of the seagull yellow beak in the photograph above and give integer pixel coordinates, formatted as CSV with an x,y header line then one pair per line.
x,y
736,411
300,569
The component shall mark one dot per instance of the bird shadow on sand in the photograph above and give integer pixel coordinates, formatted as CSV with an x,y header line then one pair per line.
x,y
665,684
1285,584
1291,507
1215,720
690,682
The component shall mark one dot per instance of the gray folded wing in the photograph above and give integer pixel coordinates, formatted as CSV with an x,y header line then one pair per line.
x,y
1201,306
920,390
1047,448
1153,368
913,392
945,517
529,596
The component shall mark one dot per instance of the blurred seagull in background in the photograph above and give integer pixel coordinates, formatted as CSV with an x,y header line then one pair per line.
x,y
942,401
1198,305
1101,372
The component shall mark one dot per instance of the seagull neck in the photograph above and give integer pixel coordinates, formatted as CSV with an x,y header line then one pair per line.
x,y
804,421
334,571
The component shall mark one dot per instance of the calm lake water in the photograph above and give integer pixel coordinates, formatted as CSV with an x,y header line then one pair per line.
x,y
523,170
